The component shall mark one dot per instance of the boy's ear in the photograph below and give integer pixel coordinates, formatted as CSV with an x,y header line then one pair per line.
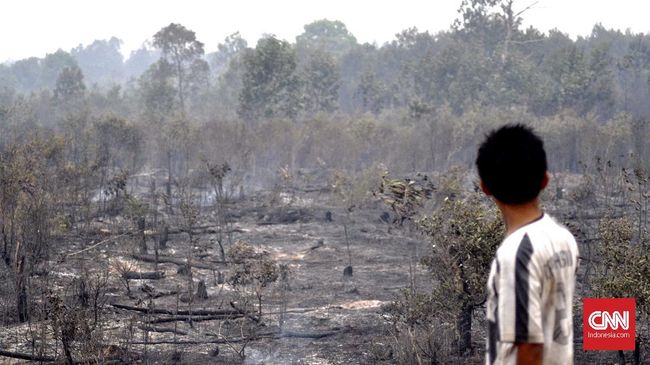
x,y
545,180
485,189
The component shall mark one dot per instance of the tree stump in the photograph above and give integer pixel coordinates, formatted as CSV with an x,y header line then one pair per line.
x,y
202,290
163,237
347,272
385,217
215,351
143,238
183,270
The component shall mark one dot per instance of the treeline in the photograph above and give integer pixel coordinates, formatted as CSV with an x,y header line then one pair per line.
x,y
419,102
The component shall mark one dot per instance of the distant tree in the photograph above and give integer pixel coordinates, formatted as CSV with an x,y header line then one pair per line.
x,y
371,92
198,77
270,82
473,14
157,91
325,35
140,60
27,73
321,83
69,85
52,65
118,143
600,94
352,66
231,46
568,69
634,74
181,49
228,88
101,61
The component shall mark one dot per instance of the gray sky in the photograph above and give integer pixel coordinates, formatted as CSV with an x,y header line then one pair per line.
x,y
36,27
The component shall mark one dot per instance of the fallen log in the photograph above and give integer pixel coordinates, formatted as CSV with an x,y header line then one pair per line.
x,y
177,261
23,356
161,294
194,312
307,334
245,313
182,342
162,330
97,244
145,275
259,336
188,318
206,229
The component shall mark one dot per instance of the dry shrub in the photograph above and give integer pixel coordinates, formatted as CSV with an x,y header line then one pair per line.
x,y
252,272
418,336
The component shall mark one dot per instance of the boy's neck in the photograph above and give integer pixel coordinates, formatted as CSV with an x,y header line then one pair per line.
x,y
517,216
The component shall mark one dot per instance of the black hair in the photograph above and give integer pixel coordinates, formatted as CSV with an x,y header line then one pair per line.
x,y
511,163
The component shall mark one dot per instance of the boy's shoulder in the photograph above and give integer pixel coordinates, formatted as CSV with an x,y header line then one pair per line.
x,y
542,235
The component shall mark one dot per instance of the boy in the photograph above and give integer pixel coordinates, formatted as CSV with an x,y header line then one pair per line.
x,y
531,282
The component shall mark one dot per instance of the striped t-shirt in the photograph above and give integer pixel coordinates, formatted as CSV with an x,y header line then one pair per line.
x,y
530,293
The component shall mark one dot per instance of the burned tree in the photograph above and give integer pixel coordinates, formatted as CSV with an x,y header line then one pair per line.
x,y
26,194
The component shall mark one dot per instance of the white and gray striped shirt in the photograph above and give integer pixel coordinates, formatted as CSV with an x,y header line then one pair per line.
x,y
530,293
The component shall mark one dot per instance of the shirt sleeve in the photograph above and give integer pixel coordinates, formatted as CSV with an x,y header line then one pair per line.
x,y
520,295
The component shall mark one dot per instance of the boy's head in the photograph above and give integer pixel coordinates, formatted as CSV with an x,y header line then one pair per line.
x,y
512,164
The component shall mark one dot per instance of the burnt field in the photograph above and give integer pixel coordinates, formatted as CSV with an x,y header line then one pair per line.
x,y
305,277
189,308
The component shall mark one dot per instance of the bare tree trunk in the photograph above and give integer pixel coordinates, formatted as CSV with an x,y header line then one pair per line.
x,y
190,277
21,292
169,182
143,238
164,237
464,328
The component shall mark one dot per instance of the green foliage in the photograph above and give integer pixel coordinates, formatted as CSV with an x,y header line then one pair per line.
x,y
464,237
182,51
52,66
371,92
270,83
158,92
229,48
101,61
27,73
140,60
327,36
69,85
118,143
321,83
178,44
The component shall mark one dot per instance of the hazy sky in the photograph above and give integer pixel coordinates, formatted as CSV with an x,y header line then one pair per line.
x,y
36,27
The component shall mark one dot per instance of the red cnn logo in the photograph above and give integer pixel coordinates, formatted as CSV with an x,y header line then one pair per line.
x,y
608,323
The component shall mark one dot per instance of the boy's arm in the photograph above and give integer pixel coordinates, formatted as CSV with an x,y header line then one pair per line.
x,y
530,353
